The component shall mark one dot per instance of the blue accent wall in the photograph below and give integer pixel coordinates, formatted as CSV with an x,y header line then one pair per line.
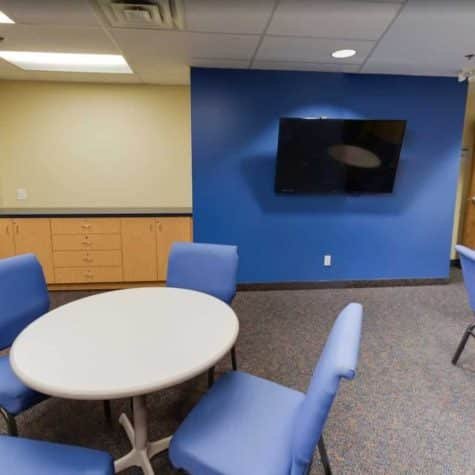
x,y
407,234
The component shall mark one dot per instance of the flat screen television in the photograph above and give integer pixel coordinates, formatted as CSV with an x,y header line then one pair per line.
x,y
338,156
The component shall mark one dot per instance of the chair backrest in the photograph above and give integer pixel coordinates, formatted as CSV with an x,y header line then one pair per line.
x,y
23,295
467,259
208,268
338,360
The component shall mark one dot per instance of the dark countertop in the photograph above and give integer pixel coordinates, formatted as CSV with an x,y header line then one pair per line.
x,y
92,212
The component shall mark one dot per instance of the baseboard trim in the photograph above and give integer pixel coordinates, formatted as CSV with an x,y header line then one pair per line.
x,y
346,284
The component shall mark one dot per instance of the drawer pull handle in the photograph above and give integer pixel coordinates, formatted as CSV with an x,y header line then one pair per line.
x,y
88,259
86,226
86,243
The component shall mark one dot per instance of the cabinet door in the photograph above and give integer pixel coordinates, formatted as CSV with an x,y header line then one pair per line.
x,y
170,230
139,249
7,246
34,235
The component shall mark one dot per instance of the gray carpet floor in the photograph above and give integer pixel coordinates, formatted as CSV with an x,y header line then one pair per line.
x,y
409,411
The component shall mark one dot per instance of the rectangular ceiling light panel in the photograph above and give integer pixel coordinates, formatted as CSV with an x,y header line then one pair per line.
x,y
4,18
68,62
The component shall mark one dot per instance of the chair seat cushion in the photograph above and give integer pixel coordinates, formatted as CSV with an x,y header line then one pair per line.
x,y
243,425
33,457
15,397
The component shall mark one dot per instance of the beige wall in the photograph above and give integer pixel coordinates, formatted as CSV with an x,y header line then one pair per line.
x,y
468,142
94,145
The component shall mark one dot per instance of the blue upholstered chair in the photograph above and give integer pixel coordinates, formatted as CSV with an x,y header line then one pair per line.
x,y
467,259
20,456
248,425
207,268
23,298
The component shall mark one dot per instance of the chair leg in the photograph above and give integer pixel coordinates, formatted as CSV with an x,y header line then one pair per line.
x,y
108,411
210,377
234,358
10,420
463,342
324,456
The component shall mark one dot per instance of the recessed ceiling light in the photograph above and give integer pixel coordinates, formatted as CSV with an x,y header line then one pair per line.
x,y
5,19
343,53
68,62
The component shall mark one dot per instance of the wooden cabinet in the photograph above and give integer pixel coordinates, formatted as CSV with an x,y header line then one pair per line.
x,y
7,243
108,252
170,230
34,235
139,249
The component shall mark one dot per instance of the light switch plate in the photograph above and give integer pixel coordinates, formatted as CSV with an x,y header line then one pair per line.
x,y
21,194
327,260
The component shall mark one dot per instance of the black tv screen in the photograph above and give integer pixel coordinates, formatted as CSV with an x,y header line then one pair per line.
x,y
338,156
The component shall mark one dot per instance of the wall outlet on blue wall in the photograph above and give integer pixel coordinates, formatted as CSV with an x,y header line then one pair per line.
x,y
327,260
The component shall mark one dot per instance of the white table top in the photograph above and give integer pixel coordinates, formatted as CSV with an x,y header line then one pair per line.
x,y
124,343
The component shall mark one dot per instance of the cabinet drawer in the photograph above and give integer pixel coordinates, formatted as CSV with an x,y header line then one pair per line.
x,y
85,225
73,275
84,242
87,258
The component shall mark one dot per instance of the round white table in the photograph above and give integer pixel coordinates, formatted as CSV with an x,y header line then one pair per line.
x,y
125,343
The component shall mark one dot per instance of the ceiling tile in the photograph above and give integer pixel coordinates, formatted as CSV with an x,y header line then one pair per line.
x,y
317,50
333,18
425,40
206,45
56,39
220,63
301,66
245,16
180,47
50,12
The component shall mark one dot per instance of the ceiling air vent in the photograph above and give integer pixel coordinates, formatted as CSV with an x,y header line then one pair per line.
x,y
158,14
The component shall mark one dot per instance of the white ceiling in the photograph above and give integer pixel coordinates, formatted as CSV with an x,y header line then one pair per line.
x,y
422,37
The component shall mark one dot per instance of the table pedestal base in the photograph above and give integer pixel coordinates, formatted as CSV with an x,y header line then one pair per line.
x,y
142,450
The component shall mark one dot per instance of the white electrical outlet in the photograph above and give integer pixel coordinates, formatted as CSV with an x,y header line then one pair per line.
x,y
21,194
327,260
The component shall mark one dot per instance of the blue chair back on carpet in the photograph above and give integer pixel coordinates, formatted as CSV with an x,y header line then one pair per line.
x,y
207,268
338,360
467,259
23,295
